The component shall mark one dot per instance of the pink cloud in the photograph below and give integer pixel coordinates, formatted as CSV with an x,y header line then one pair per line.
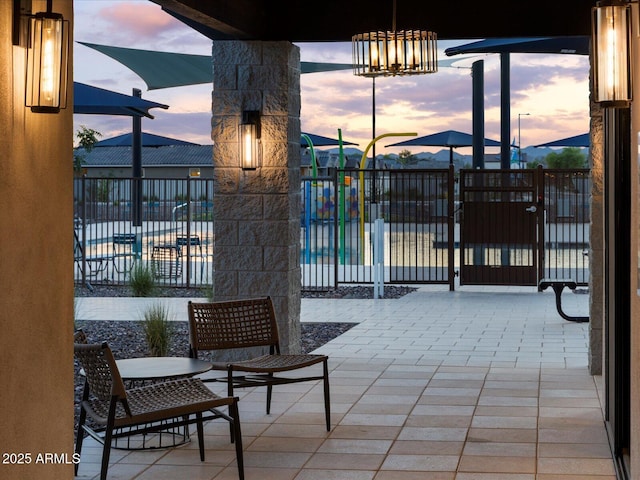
x,y
141,19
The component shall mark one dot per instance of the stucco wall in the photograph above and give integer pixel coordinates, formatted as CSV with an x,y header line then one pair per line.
x,y
635,258
36,314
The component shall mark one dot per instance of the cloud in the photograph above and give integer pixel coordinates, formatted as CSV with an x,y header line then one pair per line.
x,y
135,24
143,20
553,88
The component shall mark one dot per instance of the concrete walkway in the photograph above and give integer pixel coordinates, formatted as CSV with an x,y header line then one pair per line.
x,y
476,384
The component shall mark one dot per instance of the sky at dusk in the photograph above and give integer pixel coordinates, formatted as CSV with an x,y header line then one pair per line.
x,y
552,89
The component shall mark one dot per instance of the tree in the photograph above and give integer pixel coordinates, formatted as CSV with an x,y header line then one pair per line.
x,y
405,157
570,157
87,138
534,163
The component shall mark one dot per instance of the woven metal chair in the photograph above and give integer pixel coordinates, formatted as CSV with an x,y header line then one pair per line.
x,y
119,412
79,336
247,323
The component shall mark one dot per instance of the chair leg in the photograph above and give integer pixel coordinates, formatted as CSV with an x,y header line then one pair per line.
x,y
232,433
237,434
106,452
200,435
327,400
108,437
80,437
269,394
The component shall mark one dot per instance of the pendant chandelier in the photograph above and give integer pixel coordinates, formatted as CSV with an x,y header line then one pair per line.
x,y
394,53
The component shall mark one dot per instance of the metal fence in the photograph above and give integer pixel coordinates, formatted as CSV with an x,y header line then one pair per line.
x,y
566,224
338,228
174,236
416,239
421,213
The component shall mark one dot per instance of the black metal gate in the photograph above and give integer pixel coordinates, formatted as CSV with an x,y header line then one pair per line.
x,y
500,227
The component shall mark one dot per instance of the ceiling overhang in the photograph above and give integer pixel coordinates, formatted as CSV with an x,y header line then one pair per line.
x,y
322,21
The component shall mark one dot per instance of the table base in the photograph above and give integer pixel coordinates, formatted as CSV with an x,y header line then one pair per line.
x,y
170,438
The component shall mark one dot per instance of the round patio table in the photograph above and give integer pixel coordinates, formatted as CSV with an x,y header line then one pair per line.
x,y
157,369
145,370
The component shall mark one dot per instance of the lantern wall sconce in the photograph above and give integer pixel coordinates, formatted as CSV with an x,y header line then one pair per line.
x,y
611,36
250,140
46,38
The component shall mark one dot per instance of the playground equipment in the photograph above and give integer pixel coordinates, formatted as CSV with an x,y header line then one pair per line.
x,y
320,200
363,162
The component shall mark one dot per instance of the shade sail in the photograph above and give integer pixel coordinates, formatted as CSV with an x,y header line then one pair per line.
x,y
167,69
575,141
578,45
148,140
320,141
98,101
448,138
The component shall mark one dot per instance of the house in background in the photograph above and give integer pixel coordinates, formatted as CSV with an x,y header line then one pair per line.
x,y
162,157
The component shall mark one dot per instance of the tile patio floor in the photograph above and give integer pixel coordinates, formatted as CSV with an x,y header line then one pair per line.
x,y
477,384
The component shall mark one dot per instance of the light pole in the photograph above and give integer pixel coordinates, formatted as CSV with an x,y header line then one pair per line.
x,y
520,144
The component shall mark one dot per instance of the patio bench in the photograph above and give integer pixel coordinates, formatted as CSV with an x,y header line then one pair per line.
x,y
558,285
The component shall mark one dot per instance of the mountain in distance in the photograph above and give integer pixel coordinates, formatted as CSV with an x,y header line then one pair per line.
x,y
529,154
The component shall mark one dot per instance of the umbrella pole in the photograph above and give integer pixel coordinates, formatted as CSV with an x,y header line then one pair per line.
x,y
136,163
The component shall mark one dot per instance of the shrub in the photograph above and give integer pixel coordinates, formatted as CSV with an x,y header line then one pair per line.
x,y
207,291
157,329
142,279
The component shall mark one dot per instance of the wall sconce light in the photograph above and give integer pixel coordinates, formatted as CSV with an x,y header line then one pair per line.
x,y
250,140
47,56
612,52
391,53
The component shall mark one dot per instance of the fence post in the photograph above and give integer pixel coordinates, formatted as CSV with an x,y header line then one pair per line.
x,y
451,225
188,241
378,258
541,215
83,197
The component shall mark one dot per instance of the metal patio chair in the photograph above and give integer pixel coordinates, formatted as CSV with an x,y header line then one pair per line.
x,y
118,411
193,245
90,265
128,248
244,324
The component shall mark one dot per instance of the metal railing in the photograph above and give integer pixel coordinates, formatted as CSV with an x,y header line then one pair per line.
x,y
567,224
419,210
421,213
337,223
174,236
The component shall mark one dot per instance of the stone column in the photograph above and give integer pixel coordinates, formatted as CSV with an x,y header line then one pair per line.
x,y
257,212
596,242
